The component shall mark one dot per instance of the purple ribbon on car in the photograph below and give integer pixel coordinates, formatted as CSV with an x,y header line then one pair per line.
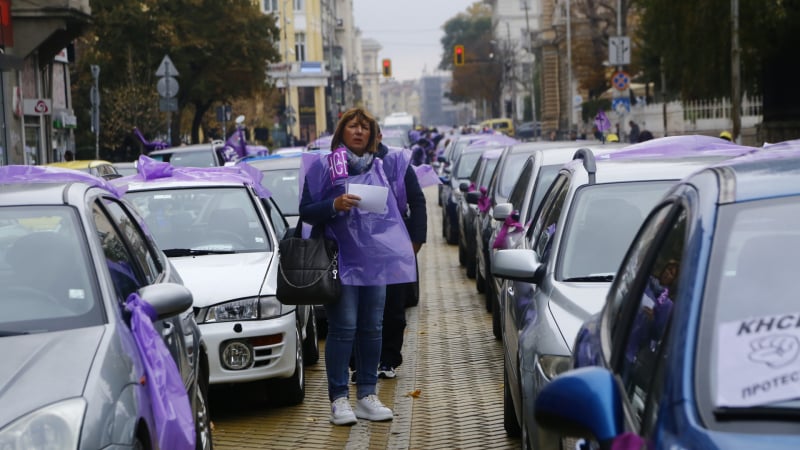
x,y
484,203
509,223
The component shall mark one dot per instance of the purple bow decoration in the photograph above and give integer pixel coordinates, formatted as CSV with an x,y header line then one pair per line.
x,y
149,145
337,161
236,142
483,202
510,222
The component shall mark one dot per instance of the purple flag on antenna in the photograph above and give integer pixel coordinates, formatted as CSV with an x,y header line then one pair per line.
x,y
601,121
236,142
337,160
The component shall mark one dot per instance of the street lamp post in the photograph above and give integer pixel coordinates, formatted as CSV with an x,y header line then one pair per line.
x,y
287,67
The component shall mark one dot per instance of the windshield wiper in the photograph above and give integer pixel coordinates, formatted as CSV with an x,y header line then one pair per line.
x,y
4,333
193,252
592,278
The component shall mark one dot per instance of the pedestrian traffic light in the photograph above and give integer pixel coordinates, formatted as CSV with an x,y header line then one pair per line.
x,y
458,55
387,67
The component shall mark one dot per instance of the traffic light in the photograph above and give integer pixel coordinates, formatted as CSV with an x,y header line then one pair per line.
x,y
458,55
387,67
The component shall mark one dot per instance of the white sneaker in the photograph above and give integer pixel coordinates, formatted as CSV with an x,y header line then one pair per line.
x,y
342,413
371,408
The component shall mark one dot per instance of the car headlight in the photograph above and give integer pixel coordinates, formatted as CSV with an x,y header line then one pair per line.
x,y
553,365
255,308
56,426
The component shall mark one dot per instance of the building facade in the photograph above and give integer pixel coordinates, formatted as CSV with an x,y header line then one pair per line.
x,y
370,75
400,96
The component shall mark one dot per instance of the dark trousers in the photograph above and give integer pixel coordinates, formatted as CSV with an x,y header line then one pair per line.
x,y
394,323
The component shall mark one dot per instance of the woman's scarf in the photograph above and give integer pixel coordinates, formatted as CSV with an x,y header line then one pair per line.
x,y
359,164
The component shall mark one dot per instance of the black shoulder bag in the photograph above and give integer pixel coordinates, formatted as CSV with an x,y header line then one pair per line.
x,y
308,269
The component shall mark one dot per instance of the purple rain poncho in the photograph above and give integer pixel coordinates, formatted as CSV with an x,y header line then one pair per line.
x,y
172,411
426,176
374,249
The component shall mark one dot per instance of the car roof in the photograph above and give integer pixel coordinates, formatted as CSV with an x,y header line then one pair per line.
x,y
768,173
80,163
45,185
276,162
188,148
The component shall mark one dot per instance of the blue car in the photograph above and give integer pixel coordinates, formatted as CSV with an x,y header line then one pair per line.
x,y
698,343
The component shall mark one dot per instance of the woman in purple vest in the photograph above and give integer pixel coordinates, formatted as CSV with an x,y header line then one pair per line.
x,y
374,250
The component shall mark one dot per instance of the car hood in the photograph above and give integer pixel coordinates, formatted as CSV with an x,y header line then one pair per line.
x,y
217,278
31,361
573,304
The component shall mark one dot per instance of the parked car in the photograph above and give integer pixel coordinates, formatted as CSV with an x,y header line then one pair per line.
x,y
528,130
568,258
698,330
281,175
535,176
468,208
125,168
210,154
72,252
463,165
220,229
96,167
501,125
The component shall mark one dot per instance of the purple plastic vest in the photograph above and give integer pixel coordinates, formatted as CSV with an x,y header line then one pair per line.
x,y
374,249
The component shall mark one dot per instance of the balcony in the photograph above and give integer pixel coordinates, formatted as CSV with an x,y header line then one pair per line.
x,y
47,25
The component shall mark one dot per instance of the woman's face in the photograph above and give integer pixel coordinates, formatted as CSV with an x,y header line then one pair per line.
x,y
356,135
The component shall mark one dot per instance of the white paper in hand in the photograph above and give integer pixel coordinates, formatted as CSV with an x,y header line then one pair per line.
x,y
373,198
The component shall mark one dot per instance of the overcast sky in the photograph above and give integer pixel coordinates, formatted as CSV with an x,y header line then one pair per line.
x,y
410,31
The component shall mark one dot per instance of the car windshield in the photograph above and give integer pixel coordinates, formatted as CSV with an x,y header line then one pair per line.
x,y
190,221
47,281
190,158
750,308
604,219
284,184
466,164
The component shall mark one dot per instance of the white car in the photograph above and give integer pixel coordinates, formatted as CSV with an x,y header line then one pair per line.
x,y
221,231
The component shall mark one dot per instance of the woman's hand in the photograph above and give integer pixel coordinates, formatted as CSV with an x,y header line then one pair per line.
x,y
345,202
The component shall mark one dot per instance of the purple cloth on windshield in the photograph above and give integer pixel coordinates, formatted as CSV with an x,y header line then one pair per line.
x,y
149,169
50,174
426,176
236,142
374,249
172,411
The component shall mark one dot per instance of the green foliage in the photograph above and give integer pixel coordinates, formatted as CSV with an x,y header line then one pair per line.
x,y
590,108
220,49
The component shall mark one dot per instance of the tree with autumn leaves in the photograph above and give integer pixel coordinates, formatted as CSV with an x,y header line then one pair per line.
x,y
220,49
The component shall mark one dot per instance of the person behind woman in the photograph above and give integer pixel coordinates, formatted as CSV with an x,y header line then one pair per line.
x,y
374,250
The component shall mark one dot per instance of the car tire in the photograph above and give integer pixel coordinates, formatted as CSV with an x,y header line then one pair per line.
x,y
311,343
291,391
445,226
480,282
462,254
496,328
510,420
489,294
471,263
202,420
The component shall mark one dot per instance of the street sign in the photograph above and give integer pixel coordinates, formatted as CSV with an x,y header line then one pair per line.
x,y
621,105
166,68
619,50
223,113
37,107
167,87
168,104
621,81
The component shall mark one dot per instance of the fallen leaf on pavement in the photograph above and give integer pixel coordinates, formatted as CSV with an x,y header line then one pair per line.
x,y
415,393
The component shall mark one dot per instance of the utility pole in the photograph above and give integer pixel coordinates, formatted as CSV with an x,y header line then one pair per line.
x,y
94,97
569,69
288,67
529,39
736,93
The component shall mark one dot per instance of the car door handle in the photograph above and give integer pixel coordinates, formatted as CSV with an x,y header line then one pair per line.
x,y
510,291
168,330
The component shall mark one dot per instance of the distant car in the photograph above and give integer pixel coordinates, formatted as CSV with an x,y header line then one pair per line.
x,y
395,138
462,167
125,168
696,345
468,207
528,130
73,252
96,167
220,229
501,125
198,155
565,264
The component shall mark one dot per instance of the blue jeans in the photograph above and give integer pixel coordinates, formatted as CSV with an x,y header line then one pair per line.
x,y
356,317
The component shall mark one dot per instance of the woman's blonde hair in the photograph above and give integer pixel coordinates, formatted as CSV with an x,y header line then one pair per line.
x,y
362,115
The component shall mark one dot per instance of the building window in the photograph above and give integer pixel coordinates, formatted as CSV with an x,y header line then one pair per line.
x,y
300,46
298,5
270,5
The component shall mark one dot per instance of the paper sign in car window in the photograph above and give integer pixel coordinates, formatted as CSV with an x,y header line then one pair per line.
x,y
758,360
373,198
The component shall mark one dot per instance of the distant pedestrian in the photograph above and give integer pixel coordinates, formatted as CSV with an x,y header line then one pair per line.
x,y
645,135
633,136
68,156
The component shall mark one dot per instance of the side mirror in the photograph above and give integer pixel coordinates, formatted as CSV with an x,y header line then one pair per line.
x,y
463,187
517,264
167,299
473,197
501,211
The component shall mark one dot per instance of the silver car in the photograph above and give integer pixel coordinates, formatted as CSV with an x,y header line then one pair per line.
x,y
221,232
71,253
